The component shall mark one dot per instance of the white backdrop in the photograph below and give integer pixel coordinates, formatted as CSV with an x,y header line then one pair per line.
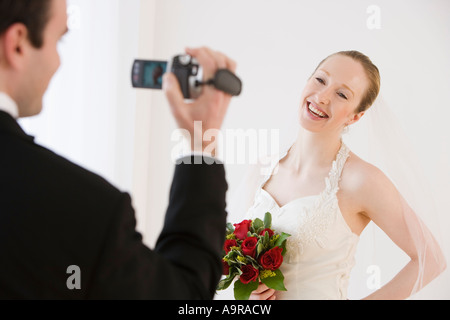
x,y
89,109
92,116
277,45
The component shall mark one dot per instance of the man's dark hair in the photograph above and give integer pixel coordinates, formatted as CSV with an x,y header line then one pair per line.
x,y
34,14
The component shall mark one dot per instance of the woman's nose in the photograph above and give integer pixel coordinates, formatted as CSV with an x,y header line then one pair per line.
x,y
324,96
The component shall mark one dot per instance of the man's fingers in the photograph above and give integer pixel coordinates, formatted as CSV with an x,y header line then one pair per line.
x,y
206,60
220,58
226,62
211,61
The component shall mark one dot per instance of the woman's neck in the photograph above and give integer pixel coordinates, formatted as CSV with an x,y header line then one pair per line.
x,y
312,150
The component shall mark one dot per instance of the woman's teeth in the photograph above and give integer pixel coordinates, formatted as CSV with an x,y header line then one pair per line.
x,y
316,111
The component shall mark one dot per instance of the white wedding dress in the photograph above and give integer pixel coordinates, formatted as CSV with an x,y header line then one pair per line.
x,y
321,249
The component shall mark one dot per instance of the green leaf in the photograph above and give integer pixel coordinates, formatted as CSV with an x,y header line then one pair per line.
x,y
283,237
276,282
243,291
225,283
281,242
230,228
238,271
266,240
268,220
257,224
259,248
254,263
232,255
259,230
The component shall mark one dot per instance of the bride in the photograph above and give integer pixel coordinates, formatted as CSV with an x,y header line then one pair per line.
x,y
324,195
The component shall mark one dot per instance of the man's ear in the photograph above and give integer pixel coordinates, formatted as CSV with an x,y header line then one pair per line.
x,y
14,45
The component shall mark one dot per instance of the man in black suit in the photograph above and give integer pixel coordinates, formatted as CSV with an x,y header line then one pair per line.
x,y
66,233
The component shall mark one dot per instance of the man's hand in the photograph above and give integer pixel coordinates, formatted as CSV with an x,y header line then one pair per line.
x,y
211,107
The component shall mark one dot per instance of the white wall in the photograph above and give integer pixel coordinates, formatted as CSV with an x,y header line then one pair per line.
x,y
94,117
89,108
277,45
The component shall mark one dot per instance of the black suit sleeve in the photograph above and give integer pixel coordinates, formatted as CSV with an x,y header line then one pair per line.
x,y
194,230
186,261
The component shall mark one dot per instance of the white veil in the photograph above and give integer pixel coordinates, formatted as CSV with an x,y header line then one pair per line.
x,y
389,148
378,259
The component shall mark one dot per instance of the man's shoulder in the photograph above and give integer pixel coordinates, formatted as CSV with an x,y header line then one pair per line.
x,y
47,168
75,174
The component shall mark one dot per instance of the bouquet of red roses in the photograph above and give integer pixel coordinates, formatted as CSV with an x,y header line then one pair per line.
x,y
253,253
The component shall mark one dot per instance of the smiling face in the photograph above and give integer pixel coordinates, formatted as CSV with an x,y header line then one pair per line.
x,y
333,94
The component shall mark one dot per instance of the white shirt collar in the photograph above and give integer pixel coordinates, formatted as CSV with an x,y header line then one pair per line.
x,y
8,105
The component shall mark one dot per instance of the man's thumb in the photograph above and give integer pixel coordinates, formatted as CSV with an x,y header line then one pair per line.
x,y
173,92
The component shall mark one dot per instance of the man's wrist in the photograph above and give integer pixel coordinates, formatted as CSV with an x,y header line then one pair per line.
x,y
198,142
206,151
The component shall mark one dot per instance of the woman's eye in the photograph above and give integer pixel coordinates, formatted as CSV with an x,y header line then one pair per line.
x,y
342,95
320,80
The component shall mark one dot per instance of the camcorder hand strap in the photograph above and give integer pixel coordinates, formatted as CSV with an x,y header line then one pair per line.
x,y
225,81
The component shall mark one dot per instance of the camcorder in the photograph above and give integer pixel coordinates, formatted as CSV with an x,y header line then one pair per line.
x,y
148,74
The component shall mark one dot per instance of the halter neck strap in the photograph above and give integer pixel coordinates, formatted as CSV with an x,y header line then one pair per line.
x,y
337,167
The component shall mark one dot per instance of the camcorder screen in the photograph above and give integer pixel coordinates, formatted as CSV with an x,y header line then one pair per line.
x,y
153,72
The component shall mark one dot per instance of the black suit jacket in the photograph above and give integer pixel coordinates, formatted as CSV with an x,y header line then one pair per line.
x,y
54,214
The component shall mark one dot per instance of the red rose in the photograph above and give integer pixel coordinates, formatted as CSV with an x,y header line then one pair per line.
x,y
242,228
249,274
249,246
268,230
228,244
226,268
272,259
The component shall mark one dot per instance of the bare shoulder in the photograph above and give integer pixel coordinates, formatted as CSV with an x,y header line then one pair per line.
x,y
365,193
361,178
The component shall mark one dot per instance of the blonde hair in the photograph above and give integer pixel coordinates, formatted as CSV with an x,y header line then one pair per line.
x,y
372,73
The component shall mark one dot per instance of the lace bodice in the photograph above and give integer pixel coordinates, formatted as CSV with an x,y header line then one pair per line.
x,y
320,251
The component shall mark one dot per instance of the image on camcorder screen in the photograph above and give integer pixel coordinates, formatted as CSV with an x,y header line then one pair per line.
x,y
153,72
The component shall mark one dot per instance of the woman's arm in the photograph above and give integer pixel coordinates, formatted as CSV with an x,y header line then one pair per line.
x,y
384,205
